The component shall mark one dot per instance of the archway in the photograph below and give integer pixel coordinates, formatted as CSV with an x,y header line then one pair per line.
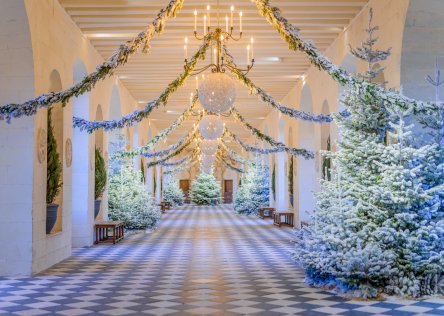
x,y
116,138
55,85
82,173
100,146
281,170
306,169
325,143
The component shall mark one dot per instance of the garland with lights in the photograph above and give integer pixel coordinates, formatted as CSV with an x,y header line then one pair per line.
x,y
139,115
221,159
290,34
267,98
233,154
145,150
180,169
118,58
277,146
195,138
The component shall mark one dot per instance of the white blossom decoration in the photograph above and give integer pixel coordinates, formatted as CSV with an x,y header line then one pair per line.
x,y
217,93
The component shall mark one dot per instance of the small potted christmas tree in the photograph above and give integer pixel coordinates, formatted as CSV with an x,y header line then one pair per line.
x,y
173,193
100,181
53,176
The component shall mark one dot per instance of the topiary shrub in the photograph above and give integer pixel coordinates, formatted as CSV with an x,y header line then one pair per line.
x,y
53,164
100,175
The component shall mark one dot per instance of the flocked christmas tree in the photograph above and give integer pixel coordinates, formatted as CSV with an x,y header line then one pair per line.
x,y
378,223
128,198
205,190
254,191
172,191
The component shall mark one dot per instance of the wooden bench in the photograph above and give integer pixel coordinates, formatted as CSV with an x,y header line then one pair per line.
x,y
162,206
168,205
104,228
288,219
266,212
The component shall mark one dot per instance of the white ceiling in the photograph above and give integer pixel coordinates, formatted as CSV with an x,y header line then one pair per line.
x,y
108,23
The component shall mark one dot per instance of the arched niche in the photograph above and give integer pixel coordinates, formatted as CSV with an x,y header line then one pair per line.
x,y
55,85
350,63
306,168
99,144
82,169
421,44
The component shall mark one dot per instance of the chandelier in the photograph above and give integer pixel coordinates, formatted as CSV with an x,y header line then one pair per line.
x,y
217,92
219,38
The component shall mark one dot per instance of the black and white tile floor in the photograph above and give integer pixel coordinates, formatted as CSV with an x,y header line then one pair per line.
x,y
200,261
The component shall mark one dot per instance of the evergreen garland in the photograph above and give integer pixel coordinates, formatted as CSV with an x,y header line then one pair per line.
x,y
290,180
53,164
273,182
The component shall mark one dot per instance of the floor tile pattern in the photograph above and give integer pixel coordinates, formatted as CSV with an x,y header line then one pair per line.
x,y
200,261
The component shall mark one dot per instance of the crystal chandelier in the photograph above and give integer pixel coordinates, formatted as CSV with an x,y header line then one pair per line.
x,y
217,92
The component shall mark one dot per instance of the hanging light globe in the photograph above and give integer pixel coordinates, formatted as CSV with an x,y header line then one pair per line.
x,y
209,147
208,159
211,127
217,93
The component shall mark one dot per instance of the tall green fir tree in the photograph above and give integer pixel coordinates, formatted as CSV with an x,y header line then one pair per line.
x,y
254,191
206,190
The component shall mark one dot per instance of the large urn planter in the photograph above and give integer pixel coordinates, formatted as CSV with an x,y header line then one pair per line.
x,y
97,207
51,217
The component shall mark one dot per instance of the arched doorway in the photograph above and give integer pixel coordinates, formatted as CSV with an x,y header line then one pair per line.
x,y
306,169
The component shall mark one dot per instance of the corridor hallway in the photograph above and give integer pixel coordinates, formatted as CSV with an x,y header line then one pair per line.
x,y
200,261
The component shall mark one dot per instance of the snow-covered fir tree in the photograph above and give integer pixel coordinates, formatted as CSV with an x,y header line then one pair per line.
x,y
369,54
205,190
172,191
128,198
254,191
378,225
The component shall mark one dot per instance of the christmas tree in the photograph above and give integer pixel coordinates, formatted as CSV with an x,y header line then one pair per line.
x,y
205,190
254,191
172,192
128,199
378,225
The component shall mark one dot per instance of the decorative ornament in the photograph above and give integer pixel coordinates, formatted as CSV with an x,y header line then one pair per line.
x,y
211,127
41,145
217,93
209,147
68,152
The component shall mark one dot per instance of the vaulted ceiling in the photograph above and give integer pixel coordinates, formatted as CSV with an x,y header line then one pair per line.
x,y
108,23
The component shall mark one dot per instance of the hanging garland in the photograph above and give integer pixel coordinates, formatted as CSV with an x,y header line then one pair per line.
x,y
118,58
267,98
233,154
139,115
195,138
223,161
290,34
145,150
266,151
180,169
258,134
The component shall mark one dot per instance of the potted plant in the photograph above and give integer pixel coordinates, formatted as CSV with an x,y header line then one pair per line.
x,y
53,176
100,181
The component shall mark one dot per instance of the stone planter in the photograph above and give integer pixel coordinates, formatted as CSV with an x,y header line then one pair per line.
x,y
97,208
51,217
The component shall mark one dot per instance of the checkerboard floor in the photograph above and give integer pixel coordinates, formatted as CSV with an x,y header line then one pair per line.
x,y
200,261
